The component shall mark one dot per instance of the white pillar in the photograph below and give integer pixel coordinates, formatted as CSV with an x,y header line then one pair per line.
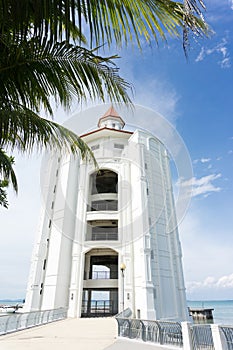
x,y
218,340
186,332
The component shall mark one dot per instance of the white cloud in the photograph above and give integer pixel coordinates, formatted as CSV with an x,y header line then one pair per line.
x,y
205,160
211,282
231,4
225,281
202,160
201,186
225,63
220,49
201,55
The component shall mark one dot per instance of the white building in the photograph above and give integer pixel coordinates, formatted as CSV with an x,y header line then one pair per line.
x,y
93,221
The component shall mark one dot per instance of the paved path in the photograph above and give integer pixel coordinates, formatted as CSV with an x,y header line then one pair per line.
x,y
73,334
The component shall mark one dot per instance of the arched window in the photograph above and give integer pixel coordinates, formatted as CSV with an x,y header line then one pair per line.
x,y
104,181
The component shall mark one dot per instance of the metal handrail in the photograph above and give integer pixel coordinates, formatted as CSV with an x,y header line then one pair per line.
x,y
161,332
227,332
18,321
125,313
201,336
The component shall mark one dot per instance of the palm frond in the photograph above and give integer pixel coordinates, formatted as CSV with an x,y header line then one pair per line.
x,y
3,194
103,21
24,130
7,173
32,71
191,7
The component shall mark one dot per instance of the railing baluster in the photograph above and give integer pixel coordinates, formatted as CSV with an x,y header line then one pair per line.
x,y
161,332
227,335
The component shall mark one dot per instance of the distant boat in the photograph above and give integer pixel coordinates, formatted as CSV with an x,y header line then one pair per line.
x,y
9,308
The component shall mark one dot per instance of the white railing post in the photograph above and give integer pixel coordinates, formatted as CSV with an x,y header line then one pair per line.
x,y
218,340
186,333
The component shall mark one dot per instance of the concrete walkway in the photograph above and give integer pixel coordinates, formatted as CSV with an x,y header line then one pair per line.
x,y
73,334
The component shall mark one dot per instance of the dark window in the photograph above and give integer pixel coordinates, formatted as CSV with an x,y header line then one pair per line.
x,y
93,148
118,145
104,181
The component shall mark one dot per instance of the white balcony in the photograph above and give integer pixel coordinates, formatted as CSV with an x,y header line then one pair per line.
x,y
102,215
111,234
103,197
100,283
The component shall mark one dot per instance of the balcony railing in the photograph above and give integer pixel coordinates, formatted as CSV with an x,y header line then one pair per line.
x,y
97,275
103,206
104,236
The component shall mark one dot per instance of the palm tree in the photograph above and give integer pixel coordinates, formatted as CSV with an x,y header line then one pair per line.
x,y
44,54
119,21
33,70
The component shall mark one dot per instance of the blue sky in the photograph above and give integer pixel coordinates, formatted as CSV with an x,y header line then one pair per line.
x,y
196,96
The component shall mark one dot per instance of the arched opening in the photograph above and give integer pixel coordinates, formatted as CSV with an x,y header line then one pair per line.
x,y
103,191
100,285
104,181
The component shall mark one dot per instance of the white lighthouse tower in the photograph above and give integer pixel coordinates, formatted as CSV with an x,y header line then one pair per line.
x,y
108,238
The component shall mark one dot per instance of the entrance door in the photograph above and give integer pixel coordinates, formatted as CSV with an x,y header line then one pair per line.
x,y
99,303
100,285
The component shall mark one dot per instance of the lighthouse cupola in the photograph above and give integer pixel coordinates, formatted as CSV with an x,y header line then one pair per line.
x,y
111,120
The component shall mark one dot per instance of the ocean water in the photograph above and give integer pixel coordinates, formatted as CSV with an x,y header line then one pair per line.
x,y
223,309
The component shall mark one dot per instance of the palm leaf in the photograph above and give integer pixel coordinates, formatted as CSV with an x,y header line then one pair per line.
x,y
7,173
103,21
34,70
190,7
23,129
3,194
